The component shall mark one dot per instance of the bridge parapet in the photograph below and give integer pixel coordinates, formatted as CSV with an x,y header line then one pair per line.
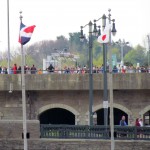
x,y
41,82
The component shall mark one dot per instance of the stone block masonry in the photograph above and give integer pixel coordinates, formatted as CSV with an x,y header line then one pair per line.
x,y
13,129
53,144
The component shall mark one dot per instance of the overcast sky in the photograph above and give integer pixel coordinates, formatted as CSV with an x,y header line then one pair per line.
x,y
60,17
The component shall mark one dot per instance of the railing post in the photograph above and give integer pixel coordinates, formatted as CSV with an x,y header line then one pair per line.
x,y
41,130
87,132
135,132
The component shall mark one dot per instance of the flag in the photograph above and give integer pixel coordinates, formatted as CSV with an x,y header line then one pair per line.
x,y
25,33
104,37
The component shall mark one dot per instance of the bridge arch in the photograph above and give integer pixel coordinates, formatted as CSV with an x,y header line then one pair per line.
x,y
145,114
118,106
146,109
61,106
126,110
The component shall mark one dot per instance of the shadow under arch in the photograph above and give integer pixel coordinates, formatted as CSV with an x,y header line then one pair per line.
x,y
59,106
117,106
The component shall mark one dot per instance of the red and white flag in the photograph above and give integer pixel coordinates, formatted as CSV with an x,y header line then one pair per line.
x,y
104,37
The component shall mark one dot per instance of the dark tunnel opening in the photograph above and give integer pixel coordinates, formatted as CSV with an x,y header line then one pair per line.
x,y
57,116
117,116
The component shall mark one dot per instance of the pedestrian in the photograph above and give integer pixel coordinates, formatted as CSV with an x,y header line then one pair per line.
x,y
137,124
123,122
50,68
14,69
141,122
39,71
33,69
19,70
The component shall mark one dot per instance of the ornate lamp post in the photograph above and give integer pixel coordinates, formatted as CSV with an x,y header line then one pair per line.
x,y
113,31
90,24
98,33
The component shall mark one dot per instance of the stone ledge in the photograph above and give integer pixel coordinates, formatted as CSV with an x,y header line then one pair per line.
x,y
74,81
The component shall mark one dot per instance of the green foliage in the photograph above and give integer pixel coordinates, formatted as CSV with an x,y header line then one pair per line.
x,y
38,51
99,61
3,63
97,50
117,52
16,60
135,56
30,61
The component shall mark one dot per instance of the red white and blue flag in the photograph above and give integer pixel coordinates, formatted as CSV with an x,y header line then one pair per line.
x,y
25,33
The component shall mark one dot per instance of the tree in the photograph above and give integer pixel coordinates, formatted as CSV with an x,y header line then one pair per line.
x,y
135,56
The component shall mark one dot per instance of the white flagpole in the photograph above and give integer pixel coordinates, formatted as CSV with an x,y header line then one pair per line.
x,y
8,55
23,96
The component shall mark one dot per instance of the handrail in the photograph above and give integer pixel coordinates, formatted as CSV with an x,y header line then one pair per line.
x,y
94,132
74,71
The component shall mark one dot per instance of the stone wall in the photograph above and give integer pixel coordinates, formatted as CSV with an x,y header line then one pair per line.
x,y
51,144
13,129
133,102
73,81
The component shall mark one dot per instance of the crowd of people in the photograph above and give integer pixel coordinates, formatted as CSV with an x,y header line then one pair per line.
x,y
73,70
17,70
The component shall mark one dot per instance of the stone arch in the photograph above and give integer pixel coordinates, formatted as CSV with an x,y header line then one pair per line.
x,y
146,109
121,107
126,110
63,106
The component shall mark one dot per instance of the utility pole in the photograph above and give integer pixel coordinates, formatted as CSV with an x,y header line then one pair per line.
x,y
8,55
23,96
111,89
148,48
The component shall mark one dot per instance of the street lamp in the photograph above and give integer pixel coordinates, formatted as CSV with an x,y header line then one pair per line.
x,y
113,31
148,49
122,44
90,24
105,102
98,33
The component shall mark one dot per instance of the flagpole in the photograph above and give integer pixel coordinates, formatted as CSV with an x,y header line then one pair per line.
x,y
23,96
8,57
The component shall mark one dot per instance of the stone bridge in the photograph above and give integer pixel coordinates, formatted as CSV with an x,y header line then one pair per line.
x,y
64,99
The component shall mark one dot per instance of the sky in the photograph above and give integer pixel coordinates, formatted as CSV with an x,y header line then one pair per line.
x,y
61,17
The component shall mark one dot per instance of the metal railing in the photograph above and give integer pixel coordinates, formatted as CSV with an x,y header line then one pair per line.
x,y
94,132
74,71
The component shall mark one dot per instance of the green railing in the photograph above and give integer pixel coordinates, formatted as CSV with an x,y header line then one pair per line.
x,y
94,132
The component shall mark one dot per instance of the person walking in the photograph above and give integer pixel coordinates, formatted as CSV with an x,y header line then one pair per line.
x,y
123,122
33,69
14,69
141,122
137,124
51,68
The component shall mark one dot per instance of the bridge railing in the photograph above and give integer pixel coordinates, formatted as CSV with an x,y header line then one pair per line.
x,y
94,132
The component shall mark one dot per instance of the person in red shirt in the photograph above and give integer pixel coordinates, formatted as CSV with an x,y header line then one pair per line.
x,y
15,69
123,70
137,124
